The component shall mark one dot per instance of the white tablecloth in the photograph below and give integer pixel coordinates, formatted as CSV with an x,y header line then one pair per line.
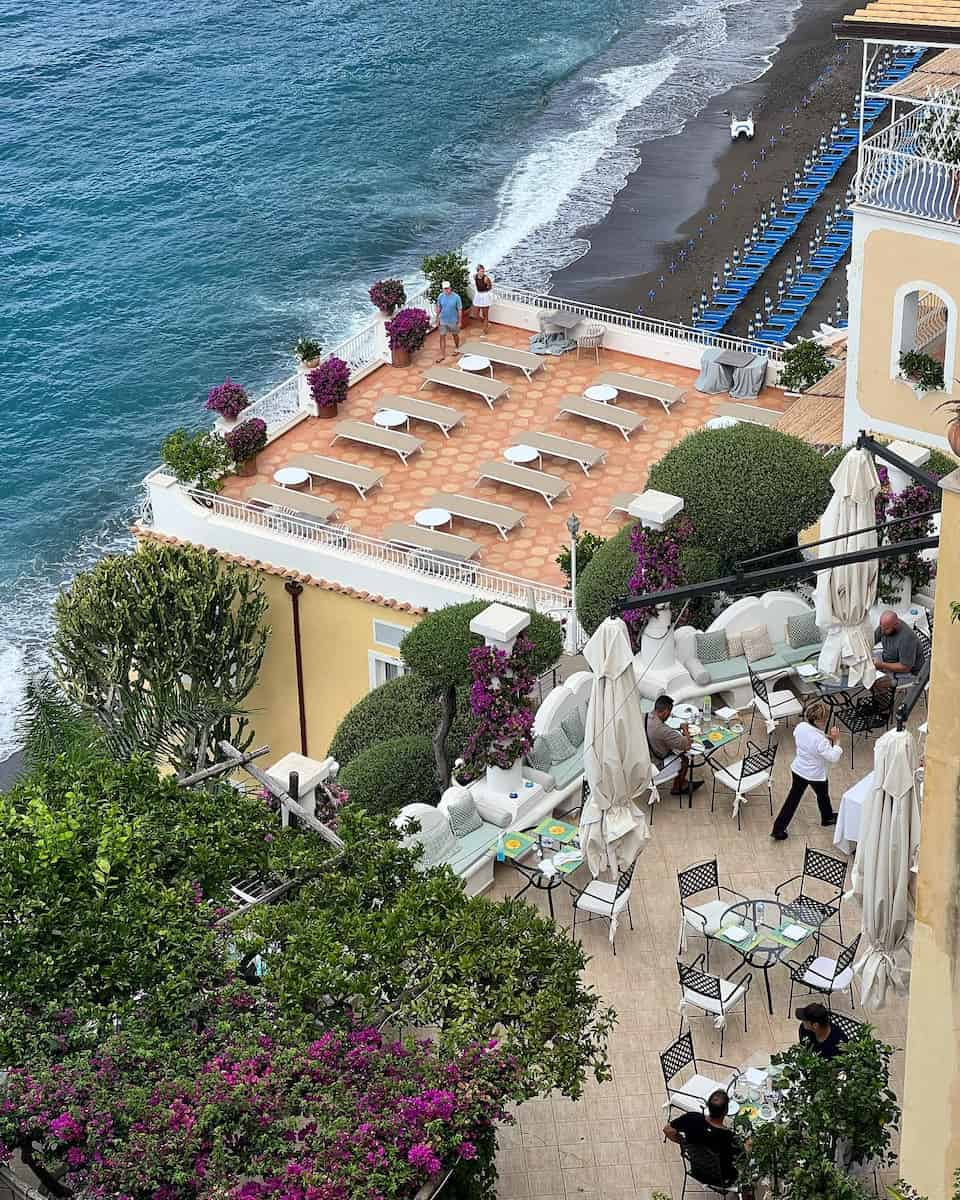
x,y
847,828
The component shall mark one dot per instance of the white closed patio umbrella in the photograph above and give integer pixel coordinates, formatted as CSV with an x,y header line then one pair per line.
x,y
886,856
616,761
846,594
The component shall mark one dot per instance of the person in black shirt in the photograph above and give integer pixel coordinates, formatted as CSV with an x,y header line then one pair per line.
x,y
817,1033
708,1131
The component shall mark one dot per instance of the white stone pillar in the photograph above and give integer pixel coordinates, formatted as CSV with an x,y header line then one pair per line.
x,y
311,774
917,456
500,626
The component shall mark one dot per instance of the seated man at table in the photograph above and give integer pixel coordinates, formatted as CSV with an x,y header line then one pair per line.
x,y
707,1131
817,1032
901,654
667,744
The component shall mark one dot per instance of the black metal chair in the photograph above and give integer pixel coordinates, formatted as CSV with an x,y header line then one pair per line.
x,y
714,996
602,899
822,869
693,1093
926,641
772,706
754,770
704,1167
704,918
821,973
866,714
853,1028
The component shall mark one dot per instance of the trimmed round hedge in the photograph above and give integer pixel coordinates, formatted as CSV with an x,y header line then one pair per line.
x,y
391,774
747,489
604,579
405,706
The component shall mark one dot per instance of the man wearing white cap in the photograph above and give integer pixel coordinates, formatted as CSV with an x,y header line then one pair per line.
x,y
449,307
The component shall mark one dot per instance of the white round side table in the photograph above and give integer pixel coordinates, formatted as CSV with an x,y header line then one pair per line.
x,y
475,362
292,477
390,418
432,518
521,454
601,392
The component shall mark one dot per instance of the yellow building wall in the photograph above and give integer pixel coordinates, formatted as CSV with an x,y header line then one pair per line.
x,y
930,1143
336,634
892,259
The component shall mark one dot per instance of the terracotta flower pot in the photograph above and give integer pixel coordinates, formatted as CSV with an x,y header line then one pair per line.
x,y
953,435
327,412
400,358
247,467
308,364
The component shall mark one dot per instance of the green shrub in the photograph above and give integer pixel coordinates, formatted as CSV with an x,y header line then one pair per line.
x,y
923,371
406,705
803,365
605,579
587,545
452,266
748,490
391,774
699,565
198,460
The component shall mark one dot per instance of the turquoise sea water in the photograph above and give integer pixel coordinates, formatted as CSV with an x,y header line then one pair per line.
x,y
186,188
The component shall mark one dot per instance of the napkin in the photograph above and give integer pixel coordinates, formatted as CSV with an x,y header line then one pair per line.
x,y
735,933
794,932
725,714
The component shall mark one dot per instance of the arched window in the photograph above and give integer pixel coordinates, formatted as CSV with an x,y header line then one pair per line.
x,y
924,319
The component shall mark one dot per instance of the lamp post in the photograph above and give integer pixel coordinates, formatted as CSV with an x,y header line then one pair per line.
x,y
573,525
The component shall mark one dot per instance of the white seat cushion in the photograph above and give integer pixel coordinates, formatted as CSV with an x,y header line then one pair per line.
x,y
729,777
732,994
669,770
692,1096
601,897
782,704
712,912
820,972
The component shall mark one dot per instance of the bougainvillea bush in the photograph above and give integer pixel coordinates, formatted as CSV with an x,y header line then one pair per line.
x,y
340,1117
227,399
408,330
501,703
388,295
247,439
329,382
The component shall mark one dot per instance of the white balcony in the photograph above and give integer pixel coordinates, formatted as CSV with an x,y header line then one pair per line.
x,y
907,167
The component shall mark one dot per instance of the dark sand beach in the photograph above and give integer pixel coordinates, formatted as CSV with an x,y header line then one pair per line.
x,y
683,178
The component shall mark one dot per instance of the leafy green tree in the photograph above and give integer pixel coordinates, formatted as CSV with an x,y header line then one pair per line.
x,y
438,651
198,460
803,365
392,774
50,725
162,645
452,265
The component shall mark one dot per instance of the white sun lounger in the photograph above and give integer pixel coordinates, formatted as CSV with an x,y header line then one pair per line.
x,y
604,414
500,516
583,455
302,503
423,410
635,385
550,487
402,444
321,467
450,545
620,502
477,385
505,356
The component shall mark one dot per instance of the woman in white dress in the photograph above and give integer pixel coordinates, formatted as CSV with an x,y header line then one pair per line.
x,y
483,294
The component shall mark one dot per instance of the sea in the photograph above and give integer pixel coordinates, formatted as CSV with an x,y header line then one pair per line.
x,y
187,187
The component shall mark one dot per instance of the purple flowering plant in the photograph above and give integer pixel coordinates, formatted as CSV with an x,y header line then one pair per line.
x,y
227,399
247,439
408,330
658,566
388,295
501,705
329,382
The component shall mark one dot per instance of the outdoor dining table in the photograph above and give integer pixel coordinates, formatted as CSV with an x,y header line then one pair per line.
x,y
835,689
543,873
760,934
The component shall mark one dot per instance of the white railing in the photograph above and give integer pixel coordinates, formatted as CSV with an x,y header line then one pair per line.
x,y
278,406
621,319
422,563
903,168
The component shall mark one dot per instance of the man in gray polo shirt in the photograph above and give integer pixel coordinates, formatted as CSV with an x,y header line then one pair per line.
x,y
902,655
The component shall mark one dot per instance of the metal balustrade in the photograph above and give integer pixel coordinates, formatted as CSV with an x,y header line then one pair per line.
x,y
338,539
900,170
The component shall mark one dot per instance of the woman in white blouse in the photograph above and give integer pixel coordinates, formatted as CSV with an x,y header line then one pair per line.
x,y
816,747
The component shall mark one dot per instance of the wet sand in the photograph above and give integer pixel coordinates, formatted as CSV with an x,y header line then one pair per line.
x,y
682,179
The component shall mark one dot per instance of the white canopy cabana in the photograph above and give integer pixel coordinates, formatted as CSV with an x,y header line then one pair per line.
x,y
616,761
886,856
846,594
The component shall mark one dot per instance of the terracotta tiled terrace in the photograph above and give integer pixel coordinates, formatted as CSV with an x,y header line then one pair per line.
x,y
451,465
609,1145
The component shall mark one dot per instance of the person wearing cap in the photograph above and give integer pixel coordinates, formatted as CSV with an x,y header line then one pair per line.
x,y
817,1032
707,1131
449,308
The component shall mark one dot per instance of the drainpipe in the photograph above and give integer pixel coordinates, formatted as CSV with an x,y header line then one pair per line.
x,y
294,591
